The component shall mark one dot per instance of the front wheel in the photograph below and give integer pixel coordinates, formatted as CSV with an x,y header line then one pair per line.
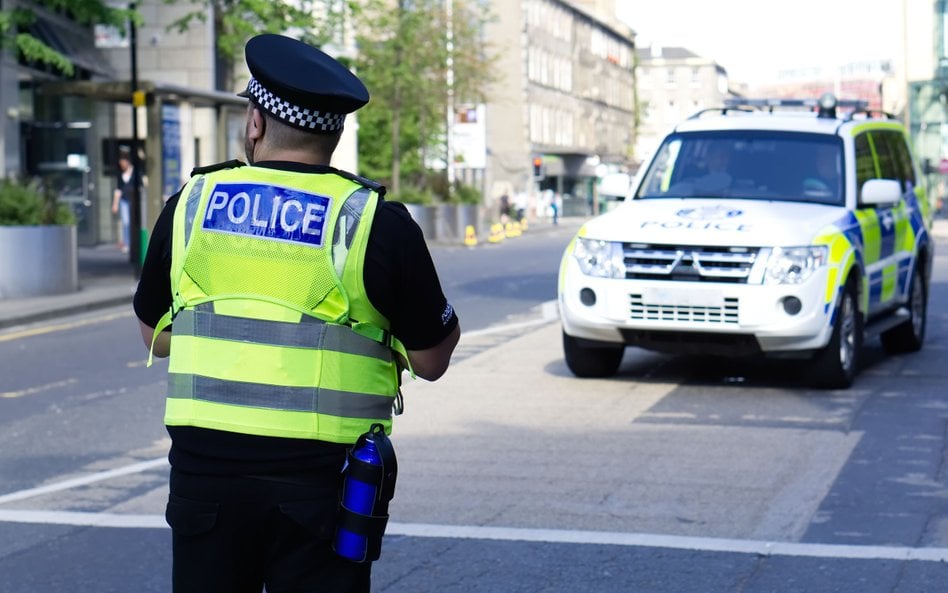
x,y
592,359
910,335
836,364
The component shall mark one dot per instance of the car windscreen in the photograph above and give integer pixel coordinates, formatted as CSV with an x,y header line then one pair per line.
x,y
754,165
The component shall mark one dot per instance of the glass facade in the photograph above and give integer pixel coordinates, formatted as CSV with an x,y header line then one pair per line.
x,y
928,111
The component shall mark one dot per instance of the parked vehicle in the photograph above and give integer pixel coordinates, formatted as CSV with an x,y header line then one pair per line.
x,y
792,228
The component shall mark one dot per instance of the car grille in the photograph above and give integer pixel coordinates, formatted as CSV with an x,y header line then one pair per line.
x,y
689,263
639,310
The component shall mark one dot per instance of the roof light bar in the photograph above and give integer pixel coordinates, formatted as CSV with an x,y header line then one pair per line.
x,y
826,104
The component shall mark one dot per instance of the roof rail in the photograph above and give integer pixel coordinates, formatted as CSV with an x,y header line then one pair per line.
x,y
721,110
869,113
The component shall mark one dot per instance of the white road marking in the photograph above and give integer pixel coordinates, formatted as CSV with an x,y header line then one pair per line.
x,y
36,389
555,536
84,480
83,519
651,540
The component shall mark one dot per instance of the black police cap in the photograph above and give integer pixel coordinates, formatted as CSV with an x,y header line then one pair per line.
x,y
300,84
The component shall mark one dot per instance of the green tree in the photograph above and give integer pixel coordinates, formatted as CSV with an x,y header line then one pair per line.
x,y
15,25
317,22
403,60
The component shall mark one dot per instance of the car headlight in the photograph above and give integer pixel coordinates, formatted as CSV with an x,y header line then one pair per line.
x,y
602,259
793,265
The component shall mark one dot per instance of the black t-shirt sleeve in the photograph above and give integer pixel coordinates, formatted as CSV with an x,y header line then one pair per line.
x,y
153,296
401,280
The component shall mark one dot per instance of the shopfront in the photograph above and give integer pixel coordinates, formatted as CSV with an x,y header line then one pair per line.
x,y
78,128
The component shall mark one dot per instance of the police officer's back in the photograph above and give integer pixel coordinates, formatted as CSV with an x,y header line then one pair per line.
x,y
295,296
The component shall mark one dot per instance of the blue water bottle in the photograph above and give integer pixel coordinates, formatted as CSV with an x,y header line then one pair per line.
x,y
358,497
368,486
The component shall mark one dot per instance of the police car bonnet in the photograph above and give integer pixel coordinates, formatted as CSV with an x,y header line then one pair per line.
x,y
301,85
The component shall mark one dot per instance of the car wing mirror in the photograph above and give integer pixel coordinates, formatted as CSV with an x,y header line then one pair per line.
x,y
879,192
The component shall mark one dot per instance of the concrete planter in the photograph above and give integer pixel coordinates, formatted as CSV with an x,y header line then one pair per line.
x,y
468,216
38,260
446,223
425,217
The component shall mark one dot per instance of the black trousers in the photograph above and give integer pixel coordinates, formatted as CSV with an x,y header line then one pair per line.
x,y
239,534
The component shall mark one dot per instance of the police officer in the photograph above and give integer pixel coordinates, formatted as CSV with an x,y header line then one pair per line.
x,y
290,297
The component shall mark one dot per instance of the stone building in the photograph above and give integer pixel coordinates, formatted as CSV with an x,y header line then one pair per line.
x,y
673,83
564,94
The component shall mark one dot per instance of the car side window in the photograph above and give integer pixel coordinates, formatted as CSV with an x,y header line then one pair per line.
x,y
865,164
885,155
903,158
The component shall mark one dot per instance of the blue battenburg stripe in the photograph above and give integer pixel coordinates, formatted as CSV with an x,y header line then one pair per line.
x,y
849,226
875,287
915,215
887,224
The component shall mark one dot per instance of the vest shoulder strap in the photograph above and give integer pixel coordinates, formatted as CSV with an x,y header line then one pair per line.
x,y
231,164
363,181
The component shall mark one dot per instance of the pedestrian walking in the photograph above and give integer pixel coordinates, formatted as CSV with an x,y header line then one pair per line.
x,y
296,297
504,210
122,198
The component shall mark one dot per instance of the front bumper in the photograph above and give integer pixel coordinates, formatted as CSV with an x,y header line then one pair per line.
x,y
635,311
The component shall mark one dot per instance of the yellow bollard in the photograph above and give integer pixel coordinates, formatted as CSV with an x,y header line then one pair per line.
x,y
470,237
496,233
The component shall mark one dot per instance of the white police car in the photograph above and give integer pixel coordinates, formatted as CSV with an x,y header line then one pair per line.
x,y
779,227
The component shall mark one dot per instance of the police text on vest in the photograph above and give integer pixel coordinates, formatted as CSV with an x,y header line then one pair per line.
x,y
267,212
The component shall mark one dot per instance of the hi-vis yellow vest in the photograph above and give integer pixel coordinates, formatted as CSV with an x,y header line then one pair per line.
x,y
272,331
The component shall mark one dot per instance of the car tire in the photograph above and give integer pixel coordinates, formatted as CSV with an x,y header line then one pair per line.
x,y
910,335
586,358
835,365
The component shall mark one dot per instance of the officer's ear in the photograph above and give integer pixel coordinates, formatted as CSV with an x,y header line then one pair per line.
x,y
256,125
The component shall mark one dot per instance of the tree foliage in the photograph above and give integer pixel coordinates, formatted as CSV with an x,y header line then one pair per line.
x,y
402,58
312,21
15,24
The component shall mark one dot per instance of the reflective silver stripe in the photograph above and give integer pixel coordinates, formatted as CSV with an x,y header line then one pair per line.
x,y
310,333
275,397
351,213
193,199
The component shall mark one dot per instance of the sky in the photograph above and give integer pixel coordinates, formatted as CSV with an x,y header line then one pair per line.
x,y
755,39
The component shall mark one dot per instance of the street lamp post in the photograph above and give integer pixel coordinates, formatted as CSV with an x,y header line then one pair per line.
x,y
135,207
449,140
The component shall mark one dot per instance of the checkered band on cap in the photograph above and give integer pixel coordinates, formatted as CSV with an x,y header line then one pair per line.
x,y
307,119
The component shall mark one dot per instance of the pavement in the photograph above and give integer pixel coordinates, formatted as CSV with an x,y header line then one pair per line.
x,y
107,278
